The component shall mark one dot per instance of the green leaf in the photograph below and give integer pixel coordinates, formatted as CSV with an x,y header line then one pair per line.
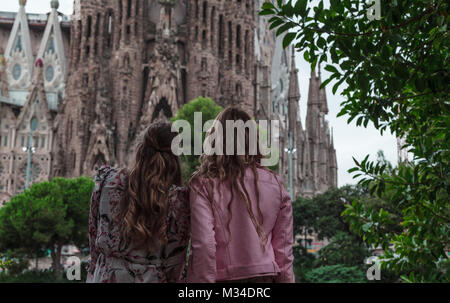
x,y
267,6
321,42
288,39
266,12
300,7
287,26
401,71
276,23
331,69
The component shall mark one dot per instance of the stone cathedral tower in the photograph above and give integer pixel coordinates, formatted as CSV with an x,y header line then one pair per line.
x,y
221,51
104,90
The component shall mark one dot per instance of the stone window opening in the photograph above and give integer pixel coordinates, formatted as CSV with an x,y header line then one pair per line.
x,y
85,79
51,46
126,61
205,8
162,106
204,39
18,46
196,9
74,159
213,16
238,36
97,25
119,36
119,22
246,50
110,26
238,90
204,65
136,14
221,40
69,135
129,9
78,40
230,35
89,24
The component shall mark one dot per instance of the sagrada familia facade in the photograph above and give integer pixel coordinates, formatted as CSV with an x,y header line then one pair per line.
x,y
83,87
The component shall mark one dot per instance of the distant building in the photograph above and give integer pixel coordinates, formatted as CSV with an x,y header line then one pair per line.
x,y
96,79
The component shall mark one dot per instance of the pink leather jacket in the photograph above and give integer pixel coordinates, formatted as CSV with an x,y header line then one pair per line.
x,y
213,260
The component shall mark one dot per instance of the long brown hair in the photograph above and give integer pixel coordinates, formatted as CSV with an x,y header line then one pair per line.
x,y
230,169
143,208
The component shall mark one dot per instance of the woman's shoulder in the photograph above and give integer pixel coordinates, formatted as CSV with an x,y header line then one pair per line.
x,y
265,174
114,176
202,183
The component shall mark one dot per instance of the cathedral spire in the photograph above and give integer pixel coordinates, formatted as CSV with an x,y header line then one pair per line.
x,y
36,99
313,92
332,137
51,50
293,93
54,4
323,104
317,96
19,54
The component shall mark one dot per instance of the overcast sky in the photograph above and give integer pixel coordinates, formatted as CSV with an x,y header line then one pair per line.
x,y
349,140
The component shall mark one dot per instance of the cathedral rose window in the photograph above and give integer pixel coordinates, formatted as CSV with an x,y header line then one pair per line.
x,y
49,73
17,71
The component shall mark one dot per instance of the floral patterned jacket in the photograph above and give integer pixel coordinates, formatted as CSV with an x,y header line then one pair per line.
x,y
110,261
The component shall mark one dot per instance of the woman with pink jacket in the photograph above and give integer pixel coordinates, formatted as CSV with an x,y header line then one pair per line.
x,y
241,215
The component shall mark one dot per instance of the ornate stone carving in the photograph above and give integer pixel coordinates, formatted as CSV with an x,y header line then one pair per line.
x,y
3,76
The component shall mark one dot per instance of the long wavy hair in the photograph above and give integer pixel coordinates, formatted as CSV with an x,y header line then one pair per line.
x,y
143,208
230,169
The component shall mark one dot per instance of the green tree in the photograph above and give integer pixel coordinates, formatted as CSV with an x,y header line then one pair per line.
x,y
344,249
336,274
305,214
76,194
47,216
394,72
209,111
320,215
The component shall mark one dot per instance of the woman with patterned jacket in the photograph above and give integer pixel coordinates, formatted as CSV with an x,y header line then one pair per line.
x,y
139,220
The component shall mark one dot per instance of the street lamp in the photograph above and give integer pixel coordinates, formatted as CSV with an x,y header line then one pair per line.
x,y
30,149
291,150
